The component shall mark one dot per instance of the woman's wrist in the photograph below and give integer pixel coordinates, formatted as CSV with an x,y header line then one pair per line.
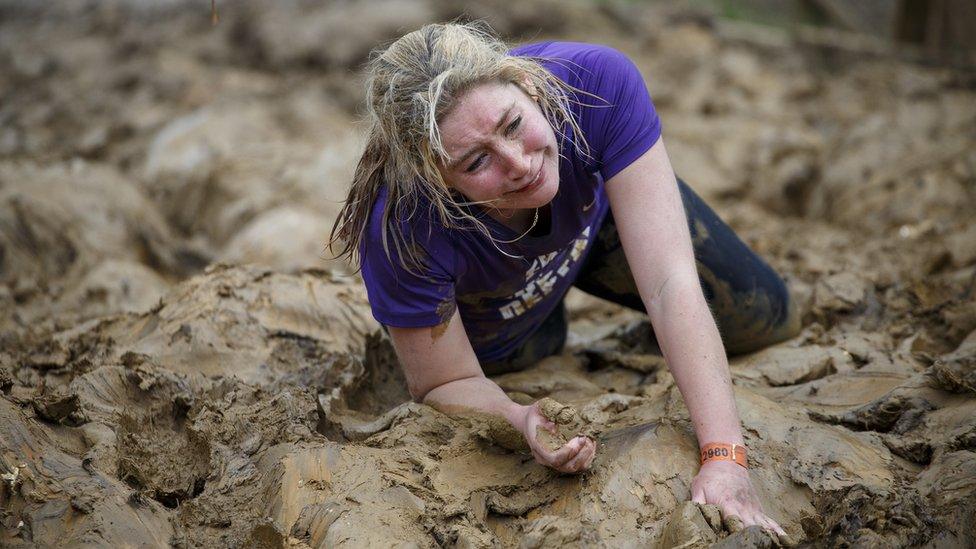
x,y
724,467
723,451
718,425
515,413
720,436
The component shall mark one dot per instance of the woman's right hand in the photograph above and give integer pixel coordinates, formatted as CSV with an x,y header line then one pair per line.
x,y
573,457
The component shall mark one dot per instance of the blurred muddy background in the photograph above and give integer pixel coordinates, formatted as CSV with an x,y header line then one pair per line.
x,y
182,364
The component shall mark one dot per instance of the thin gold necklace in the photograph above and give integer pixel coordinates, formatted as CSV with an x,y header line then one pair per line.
x,y
535,220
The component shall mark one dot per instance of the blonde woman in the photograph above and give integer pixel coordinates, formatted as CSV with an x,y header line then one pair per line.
x,y
492,181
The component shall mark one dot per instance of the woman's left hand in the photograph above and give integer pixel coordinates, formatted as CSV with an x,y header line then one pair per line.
x,y
726,485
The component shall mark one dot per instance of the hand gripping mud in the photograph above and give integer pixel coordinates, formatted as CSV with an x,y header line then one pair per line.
x,y
721,451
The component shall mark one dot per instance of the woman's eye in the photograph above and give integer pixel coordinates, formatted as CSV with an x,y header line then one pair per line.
x,y
478,161
513,126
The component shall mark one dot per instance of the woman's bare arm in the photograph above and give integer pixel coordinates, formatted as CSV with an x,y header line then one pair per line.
x,y
654,232
442,371
653,228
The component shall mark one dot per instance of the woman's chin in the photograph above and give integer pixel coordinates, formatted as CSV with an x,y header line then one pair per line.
x,y
546,194
542,195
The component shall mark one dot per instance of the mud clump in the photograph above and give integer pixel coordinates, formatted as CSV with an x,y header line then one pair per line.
x,y
859,517
160,458
568,425
568,422
688,527
59,408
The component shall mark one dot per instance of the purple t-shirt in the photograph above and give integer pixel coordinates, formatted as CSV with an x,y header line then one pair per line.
x,y
501,299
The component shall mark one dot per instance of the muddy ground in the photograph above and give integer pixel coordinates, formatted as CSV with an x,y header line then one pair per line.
x,y
182,365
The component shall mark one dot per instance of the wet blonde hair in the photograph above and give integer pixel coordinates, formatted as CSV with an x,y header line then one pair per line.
x,y
410,86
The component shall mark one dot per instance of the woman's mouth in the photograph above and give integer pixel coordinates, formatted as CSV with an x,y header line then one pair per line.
x,y
531,185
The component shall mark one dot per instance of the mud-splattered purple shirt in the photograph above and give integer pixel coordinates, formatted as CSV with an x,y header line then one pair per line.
x,y
502,300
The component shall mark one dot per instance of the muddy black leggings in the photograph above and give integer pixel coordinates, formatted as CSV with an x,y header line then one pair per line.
x,y
749,301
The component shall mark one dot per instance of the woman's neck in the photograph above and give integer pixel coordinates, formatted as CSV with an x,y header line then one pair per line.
x,y
520,220
527,221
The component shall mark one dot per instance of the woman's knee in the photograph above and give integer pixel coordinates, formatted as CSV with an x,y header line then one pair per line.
x,y
768,324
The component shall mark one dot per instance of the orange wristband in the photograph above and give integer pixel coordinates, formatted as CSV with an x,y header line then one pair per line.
x,y
721,451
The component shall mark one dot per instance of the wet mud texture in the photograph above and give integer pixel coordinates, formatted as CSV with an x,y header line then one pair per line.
x,y
156,391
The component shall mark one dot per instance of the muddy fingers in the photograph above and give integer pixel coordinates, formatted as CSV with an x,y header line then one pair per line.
x,y
768,525
566,454
589,462
713,516
732,522
785,540
583,458
772,525
774,528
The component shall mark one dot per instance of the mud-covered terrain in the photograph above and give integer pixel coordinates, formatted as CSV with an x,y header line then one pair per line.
x,y
181,363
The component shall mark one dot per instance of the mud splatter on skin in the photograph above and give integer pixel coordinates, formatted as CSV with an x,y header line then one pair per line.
x,y
437,331
142,405
445,311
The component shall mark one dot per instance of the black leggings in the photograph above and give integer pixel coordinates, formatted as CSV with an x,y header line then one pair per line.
x,y
749,301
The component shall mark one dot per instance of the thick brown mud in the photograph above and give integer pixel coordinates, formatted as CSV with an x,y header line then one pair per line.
x,y
182,365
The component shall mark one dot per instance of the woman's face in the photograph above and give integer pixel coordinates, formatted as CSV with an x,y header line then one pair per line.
x,y
501,148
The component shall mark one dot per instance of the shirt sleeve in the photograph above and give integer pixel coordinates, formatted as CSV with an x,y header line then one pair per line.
x,y
407,299
622,124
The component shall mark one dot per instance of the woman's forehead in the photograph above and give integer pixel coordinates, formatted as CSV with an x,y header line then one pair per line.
x,y
478,112
483,102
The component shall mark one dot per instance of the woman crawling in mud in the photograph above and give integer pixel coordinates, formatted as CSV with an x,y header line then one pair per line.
x,y
492,181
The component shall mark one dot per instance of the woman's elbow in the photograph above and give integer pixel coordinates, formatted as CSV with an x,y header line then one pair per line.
x,y
418,390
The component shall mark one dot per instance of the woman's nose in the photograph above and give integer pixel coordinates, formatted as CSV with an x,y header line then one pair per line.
x,y
519,162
